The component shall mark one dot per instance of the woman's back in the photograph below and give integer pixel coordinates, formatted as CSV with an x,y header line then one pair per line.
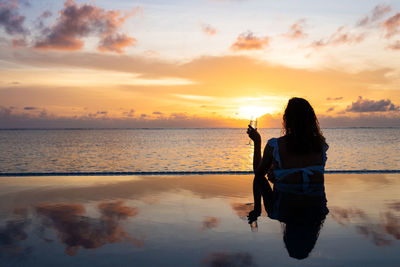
x,y
285,160
290,159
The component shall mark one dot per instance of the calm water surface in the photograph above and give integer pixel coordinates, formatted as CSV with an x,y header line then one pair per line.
x,y
187,221
179,149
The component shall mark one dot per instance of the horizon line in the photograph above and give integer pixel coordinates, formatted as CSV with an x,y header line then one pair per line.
x,y
177,128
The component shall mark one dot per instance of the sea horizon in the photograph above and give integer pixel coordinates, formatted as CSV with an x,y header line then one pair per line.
x,y
182,128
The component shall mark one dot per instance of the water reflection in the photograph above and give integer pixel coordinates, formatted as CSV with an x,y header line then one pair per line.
x,y
76,230
237,259
210,222
301,214
70,223
381,233
194,220
12,235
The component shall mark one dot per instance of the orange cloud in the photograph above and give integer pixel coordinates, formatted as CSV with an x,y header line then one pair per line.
x,y
377,13
296,31
394,46
343,37
247,41
78,21
339,37
116,43
392,25
208,29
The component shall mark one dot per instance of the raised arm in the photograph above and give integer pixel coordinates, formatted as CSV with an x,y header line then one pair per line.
x,y
261,164
256,137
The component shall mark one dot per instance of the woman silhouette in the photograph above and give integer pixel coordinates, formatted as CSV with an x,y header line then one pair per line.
x,y
295,164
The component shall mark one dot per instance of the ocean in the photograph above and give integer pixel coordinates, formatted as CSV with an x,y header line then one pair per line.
x,y
183,150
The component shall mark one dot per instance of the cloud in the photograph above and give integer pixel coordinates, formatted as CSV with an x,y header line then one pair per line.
x,y
102,112
158,113
116,43
78,21
129,113
30,108
238,72
296,31
19,42
209,223
392,25
247,41
361,120
340,37
330,109
46,14
76,230
377,13
10,19
394,46
151,53
208,29
365,105
195,97
334,98
9,118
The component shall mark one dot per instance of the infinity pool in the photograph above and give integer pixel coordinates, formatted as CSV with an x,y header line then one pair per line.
x,y
188,220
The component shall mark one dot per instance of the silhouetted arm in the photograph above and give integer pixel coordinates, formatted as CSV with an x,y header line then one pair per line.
x,y
261,187
262,164
257,155
256,137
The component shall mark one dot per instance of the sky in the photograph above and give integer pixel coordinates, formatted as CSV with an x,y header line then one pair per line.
x,y
203,63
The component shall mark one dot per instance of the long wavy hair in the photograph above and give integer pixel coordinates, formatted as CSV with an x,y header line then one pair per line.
x,y
301,126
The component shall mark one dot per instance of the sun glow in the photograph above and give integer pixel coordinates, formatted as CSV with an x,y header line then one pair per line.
x,y
247,112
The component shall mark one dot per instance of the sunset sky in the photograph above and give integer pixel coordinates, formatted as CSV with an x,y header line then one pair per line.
x,y
204,63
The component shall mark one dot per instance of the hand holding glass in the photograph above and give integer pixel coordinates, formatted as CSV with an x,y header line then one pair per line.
x,y
252,124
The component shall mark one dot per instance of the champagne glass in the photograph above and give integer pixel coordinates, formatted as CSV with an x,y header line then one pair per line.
x,y
254,226
252,123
